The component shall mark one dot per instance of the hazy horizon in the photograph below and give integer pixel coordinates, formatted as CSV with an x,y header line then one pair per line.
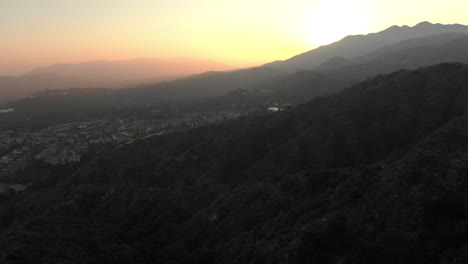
x,y
23,69
235,33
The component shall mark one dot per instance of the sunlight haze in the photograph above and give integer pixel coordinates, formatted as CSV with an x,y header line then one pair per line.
x,y
239,33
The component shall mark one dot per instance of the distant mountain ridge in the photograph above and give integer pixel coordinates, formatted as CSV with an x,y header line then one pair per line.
x,y
340,61
422,42
103,74
455,50
295,88
348,52
358,45
338,72
350,59
134,69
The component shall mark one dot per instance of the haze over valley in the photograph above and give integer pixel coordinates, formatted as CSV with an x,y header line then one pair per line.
x,y
234,132
102,74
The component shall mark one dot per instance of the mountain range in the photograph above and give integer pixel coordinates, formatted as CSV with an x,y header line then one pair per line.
x,y
331,74
103,74
360,49
354,50
359,45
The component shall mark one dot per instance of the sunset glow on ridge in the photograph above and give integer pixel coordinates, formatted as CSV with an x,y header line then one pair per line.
x,y
239,33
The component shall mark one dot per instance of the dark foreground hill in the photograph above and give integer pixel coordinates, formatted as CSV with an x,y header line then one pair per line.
x,y
373,174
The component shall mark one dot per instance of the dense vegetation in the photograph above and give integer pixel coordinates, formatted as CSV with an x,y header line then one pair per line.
x,y
376,173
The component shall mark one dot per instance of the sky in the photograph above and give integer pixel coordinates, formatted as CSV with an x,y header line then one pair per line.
x,y
239,33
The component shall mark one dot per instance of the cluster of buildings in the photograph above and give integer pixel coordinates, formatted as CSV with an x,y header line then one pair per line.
x,y
68,142
5,111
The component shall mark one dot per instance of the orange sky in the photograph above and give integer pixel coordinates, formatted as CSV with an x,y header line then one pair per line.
x,y
236,32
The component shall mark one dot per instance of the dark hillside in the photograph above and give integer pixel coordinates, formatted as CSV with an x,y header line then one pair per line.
x,y
359,125
414,57
373,174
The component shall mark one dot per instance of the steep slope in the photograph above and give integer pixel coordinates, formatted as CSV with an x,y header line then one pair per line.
x,y
334,63
432,40
411,58
338,73
373,174
354,46
331,76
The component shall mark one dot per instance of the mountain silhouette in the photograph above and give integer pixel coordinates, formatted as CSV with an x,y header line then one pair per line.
x,y
281,86
358,45
135,69
103,74
351,52
387,60
339,72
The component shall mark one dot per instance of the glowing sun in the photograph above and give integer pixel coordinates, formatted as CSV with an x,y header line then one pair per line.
x,y
336,19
